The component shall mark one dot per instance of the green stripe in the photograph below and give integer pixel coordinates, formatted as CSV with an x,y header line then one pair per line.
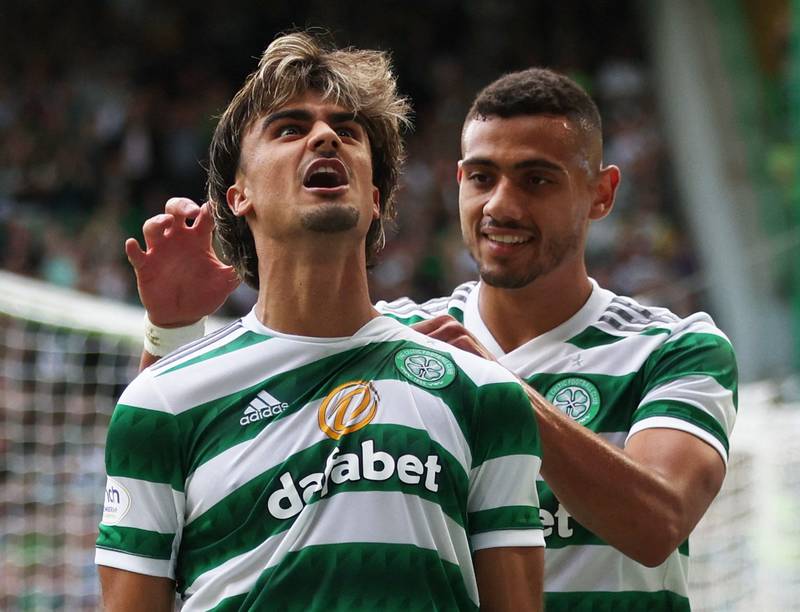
x,y
208,541
685,412
353,577
212,428
591,337
693,354
136,541
457,313
578,534
575,534
509,517
619,397
247,339
408,321
629,601
504,424
143,444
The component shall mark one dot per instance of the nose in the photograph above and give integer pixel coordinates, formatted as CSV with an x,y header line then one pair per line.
x,y
323,138
505,203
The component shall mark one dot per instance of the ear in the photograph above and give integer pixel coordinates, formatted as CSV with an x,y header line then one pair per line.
x,y
605,191
459,172
376,203
237,199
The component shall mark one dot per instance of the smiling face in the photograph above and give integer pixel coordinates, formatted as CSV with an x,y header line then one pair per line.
x,y
529,185
305,169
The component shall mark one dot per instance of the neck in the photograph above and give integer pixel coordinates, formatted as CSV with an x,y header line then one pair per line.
x,y
515,316
323,294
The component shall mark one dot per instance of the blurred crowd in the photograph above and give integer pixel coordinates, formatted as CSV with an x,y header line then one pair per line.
x,y
109,114
106,111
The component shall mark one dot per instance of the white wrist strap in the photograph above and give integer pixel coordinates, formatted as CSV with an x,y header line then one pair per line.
x,y
159,341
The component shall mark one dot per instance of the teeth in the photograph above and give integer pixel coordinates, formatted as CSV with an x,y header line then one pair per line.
x,y
325,170
508,239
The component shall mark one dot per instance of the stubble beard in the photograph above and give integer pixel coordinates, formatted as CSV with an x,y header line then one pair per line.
x,y
555,252
331,218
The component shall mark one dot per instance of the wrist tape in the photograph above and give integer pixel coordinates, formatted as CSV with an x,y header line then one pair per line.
x,y
160,341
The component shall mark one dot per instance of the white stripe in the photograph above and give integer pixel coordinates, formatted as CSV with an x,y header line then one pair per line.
x,y
213,378
617,438
702,392
505,481
603,568
623,357
153,506
133,563
199,346
406,313
665,422
379,517
400,404
697,325
142,393
507,537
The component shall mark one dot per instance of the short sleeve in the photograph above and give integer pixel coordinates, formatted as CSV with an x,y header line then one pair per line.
x,y
143,503
690,384
503,505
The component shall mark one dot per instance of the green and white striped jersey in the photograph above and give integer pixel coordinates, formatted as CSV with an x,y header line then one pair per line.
x,y
267,471
617,367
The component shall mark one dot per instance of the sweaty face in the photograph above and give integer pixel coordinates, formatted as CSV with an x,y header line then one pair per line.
x,y
525,193
304,169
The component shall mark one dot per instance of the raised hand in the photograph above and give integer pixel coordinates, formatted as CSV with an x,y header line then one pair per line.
x,y
180,279
447,329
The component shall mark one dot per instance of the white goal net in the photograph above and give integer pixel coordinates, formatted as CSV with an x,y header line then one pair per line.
x,y
66,357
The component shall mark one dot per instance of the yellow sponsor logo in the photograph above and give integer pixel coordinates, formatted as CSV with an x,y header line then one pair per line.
x,y
348,408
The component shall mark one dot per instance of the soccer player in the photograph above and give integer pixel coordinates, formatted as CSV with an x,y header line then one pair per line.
x,y
315,455
634,404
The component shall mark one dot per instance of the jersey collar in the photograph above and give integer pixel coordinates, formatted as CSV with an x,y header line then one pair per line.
x,y
589,312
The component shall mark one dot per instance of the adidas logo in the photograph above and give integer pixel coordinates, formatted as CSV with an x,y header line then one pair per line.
x,y
262,407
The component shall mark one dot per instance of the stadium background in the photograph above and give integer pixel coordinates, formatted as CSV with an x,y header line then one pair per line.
x,y
106,109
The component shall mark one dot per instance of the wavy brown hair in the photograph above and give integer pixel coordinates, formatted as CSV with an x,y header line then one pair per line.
x,y
358,80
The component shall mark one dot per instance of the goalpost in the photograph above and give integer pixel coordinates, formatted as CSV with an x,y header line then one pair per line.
x,y
65,357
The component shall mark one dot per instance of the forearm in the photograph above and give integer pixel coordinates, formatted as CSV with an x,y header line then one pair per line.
x,y
631,506
510,579
125,591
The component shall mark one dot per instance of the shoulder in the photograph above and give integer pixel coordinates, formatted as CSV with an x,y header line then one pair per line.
x,y
477,370
626,317
212,367
408,311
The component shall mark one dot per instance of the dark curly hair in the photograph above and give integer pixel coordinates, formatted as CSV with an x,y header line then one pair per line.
x,y
536,91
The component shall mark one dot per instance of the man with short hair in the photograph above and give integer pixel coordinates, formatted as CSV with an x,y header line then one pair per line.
x,y
314,454
634,404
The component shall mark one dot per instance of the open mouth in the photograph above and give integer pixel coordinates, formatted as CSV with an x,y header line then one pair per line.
x,y
325,173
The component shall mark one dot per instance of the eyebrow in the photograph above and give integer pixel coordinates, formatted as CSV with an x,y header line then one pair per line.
x,y
535,163
298,114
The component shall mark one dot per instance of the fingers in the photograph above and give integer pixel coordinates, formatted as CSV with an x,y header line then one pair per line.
x,y
430,325
233,278
135,254
205,219
447,329
182,208
155,228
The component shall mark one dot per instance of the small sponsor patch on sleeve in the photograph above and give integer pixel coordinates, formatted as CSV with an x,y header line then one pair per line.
x,y
116,503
